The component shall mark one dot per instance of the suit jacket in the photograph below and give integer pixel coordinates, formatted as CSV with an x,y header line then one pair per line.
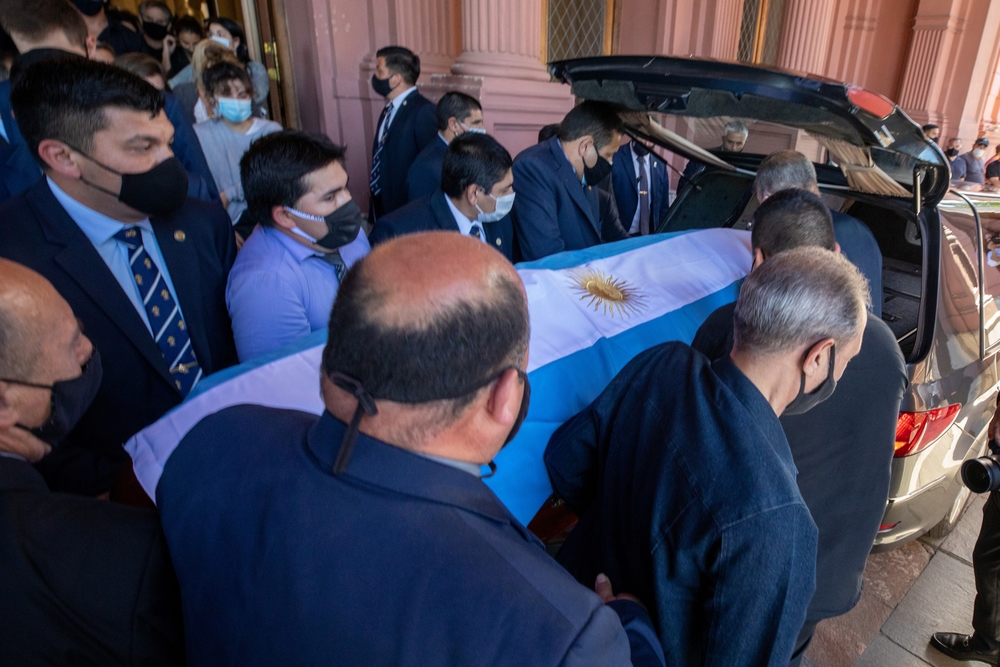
x,y
19,170
424,176
413,127
626,186
432,213
86,582
554,212
198,247
399,560
858,244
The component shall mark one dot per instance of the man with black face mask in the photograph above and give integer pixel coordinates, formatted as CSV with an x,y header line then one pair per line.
x,y
642,188
103,28
404,128
378,503
558,206
111,227
85,581
845,480
684,482
308,233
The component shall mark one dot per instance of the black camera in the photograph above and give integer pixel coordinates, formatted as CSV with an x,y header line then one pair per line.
x,y
982,475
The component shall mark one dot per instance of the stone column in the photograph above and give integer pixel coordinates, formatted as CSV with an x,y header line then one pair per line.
x,y
923,84
853,41
430,28
726,29
805,35
501,38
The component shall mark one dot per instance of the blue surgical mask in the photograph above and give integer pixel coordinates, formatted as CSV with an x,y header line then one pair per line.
x,y
220,40
234,110
473,130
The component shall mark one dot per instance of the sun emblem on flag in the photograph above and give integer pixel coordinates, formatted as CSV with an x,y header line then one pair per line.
x,y
608,293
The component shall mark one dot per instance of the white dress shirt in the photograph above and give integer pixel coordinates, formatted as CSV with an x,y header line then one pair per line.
x,y
394,107
634,229
464,224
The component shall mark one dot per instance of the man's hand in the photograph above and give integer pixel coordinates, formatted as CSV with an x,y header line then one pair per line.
x,y
603,589
22,443
169,44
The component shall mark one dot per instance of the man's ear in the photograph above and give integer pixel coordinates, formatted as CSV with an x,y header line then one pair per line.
x,y
90,46
282,218
470,194
8,415
454,126
817,362
504,402
58,157
836,248
758,258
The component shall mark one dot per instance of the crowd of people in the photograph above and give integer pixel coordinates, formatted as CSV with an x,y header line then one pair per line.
x,y
156,229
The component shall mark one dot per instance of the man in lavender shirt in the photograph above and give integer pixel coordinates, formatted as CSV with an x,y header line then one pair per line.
x,y
308,234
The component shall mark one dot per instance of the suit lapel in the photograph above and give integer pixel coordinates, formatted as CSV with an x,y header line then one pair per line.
x,y
569,180
81,261
633,177
181,259
402,113
442,213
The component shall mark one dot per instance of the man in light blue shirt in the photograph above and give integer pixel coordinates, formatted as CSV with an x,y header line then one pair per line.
x,y
308,234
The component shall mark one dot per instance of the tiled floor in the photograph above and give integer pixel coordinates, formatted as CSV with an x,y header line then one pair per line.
x,y
909,593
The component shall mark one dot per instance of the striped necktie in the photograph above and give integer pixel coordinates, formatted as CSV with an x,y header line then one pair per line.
x,y
383,119
169,330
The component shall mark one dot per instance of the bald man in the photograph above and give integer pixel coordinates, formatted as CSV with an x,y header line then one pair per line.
x,y
366,533
84,581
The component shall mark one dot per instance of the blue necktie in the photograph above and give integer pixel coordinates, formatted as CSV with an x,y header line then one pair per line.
x,y
169,330
377,157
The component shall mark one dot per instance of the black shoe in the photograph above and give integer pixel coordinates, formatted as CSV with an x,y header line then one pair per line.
x,y
964,647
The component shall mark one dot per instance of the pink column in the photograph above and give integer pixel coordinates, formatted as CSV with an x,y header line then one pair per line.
x,y
501,38
805,35
431,29
923,80
727,17
854,42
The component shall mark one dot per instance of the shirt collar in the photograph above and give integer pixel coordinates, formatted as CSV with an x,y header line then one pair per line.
x,y
464,224
398,100
299,252
464,466
443,140
98,227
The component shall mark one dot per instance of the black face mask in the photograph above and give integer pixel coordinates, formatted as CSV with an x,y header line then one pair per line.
x,y
597,173
70,399
343,224
159,191
639,149
522,413
951,152
155,31
89,7
381,86
935,140
805,402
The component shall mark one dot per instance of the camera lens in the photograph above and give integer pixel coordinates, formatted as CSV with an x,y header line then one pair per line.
x,y
981,475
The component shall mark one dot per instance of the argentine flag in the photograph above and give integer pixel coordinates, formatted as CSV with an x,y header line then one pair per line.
x,y
591,311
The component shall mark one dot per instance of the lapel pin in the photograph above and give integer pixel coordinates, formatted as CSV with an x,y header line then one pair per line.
x,y
499,241
179,235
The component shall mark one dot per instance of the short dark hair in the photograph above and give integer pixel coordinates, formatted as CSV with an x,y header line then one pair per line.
x,y
473,159
600,120
273,170
455,105
234,29
792,219
401,60
188,24
217,78
548,131
141,64
65,99
447,359
37,19
928,127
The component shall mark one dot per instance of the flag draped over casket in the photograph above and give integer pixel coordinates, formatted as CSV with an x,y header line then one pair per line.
x,y
591,312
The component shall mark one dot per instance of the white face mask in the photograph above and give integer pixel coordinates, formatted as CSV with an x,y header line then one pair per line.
x,y
220,40
504,204
978,153
474,130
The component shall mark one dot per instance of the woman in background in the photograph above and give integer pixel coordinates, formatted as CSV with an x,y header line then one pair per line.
x,y
229,33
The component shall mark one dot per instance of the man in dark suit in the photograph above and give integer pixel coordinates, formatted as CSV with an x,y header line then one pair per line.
x,y
456,113
558,207
475,197
84,581
143,267
410,559
790,169
734,140
845,480
404,128
51,29
642,188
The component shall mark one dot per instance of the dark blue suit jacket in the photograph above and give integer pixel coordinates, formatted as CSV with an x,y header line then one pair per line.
x,y
626,185
198,247
858,244
554,212
685,488
413,127
431,213
424,176
19,170
399,560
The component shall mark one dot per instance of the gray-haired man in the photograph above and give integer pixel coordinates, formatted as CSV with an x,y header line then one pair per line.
x,y
734,139
683,479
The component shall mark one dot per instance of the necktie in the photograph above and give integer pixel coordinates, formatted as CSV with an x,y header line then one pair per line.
x,y
476,232
337,262
382,128
169,330
643,198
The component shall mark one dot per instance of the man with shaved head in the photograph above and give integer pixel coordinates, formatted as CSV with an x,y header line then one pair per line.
x,y
85,581
366,535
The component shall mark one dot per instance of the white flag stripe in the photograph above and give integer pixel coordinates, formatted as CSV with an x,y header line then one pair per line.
x,y
666,276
